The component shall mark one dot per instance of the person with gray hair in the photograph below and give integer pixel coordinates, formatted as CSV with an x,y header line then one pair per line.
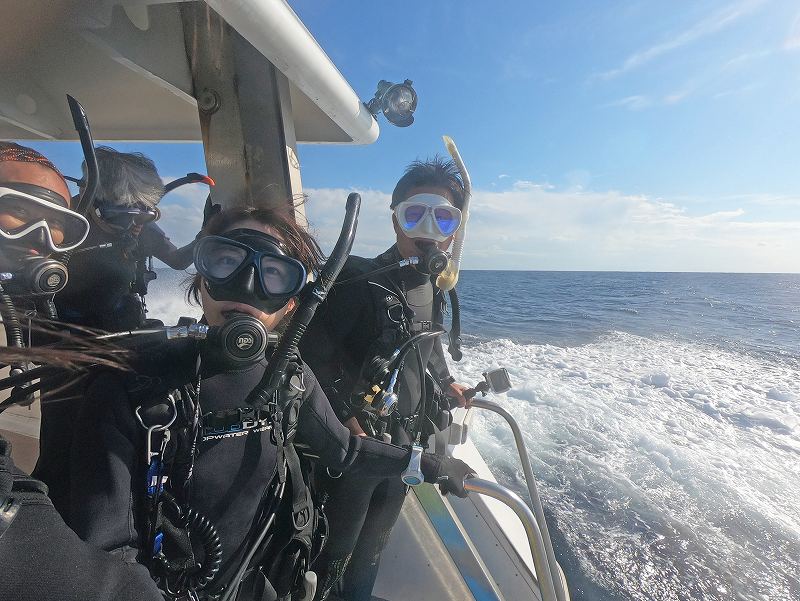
x,y
128,179
109,274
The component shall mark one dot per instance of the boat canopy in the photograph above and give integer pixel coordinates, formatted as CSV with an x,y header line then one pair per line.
x,y
129,62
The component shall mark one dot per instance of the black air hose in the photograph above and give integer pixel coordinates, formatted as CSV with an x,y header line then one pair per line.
x,y
312,297
454,348
11,320
50,310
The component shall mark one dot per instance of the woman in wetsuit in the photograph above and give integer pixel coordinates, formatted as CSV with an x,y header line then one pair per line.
x,y
251,263
41,559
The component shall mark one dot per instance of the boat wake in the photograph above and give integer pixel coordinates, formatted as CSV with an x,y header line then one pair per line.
x,y
670,469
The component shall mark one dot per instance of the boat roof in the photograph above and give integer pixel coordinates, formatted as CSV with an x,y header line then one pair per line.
x,y
126,62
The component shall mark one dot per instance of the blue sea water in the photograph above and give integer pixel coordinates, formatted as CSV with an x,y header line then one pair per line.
x,y
662,415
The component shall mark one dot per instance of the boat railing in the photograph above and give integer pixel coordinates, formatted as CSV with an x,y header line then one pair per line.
x,y
548,572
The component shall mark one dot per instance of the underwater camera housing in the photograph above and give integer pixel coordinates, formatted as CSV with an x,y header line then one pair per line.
x,y
495,380
498,380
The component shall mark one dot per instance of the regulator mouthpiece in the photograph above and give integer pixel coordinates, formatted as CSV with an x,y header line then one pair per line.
x,y
432,261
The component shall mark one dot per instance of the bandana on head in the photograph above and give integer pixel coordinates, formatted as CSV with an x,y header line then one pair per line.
x,y
11,152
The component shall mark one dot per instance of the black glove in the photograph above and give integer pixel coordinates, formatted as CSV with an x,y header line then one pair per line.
x,y
448,472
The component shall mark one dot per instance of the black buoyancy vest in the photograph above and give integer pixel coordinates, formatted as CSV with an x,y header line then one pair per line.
x,y
175,531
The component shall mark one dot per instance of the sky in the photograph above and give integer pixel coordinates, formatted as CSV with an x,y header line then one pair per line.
x,y
622,135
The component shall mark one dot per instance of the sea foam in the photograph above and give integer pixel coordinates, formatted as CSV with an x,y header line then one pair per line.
x,y
671,468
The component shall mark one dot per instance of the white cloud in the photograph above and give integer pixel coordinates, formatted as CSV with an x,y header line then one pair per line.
x,y
531,227
792,41
634,103
534,226
708,26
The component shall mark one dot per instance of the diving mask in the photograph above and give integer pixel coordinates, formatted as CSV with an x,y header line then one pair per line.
x,y
250,267
38,218
126,218
428,216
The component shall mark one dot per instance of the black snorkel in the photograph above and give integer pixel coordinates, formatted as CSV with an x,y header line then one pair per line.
x,y
312,296
189,178
92,181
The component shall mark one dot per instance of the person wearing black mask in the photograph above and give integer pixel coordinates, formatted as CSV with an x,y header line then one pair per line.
x,y
378,308
110,270
41,558
178,466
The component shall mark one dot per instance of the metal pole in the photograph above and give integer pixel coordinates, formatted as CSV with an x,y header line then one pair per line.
x,y
512,500
532,490
248,136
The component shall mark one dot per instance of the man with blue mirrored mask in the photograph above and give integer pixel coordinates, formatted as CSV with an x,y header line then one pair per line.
x,y
375,348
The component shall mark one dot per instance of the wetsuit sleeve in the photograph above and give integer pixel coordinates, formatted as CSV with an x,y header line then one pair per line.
x,y
104,463
43,560
321,431
336,343
153,241
437,363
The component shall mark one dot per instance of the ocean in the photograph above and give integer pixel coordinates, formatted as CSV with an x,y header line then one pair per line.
x,y
662,416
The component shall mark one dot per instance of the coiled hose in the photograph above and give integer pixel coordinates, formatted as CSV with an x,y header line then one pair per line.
x,y
200,527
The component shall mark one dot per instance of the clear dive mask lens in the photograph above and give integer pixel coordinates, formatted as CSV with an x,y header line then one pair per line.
x,y
224,261
24,212
428,216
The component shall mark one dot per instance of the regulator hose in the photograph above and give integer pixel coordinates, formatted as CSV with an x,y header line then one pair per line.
x,y
312,296
11,320
199,526
454,348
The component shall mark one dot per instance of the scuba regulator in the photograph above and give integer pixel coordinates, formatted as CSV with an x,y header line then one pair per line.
x,y
432,260
36,276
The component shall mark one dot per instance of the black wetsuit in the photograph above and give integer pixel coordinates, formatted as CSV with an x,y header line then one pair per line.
x,y
231,473
41,559
349,329
99,292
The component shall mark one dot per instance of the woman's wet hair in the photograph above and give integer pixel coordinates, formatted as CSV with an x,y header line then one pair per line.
x,y
71,346
128,179
436,172
297,242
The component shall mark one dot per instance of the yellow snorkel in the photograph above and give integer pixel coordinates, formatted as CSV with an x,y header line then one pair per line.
x,y
448,279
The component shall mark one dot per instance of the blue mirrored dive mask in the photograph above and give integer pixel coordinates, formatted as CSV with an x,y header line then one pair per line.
x,y
428,216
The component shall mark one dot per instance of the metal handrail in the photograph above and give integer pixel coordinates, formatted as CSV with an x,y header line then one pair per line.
x,y
554,570
524,513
